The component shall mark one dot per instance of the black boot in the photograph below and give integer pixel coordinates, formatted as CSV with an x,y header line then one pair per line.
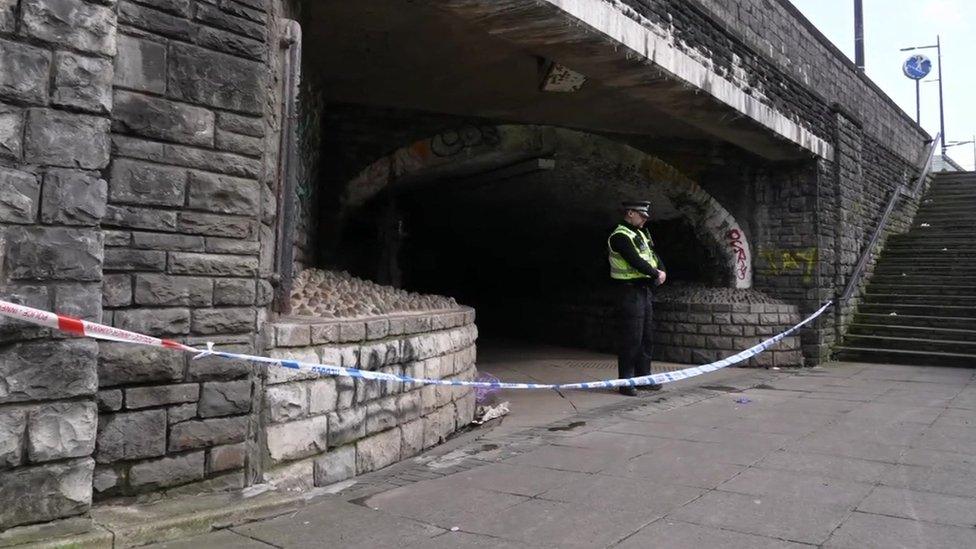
x,y
652,387
628,391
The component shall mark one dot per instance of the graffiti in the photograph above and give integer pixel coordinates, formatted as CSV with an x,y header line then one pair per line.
x,y
782,262
452,142
734,237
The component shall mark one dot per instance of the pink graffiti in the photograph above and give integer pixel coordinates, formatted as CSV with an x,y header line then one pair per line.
x,y
741,259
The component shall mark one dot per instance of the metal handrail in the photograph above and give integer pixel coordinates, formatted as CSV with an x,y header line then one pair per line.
x,y
883,223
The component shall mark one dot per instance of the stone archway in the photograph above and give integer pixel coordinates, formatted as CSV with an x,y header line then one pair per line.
x,y
475,149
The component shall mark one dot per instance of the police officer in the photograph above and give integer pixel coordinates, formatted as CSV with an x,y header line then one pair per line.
x,y
635,269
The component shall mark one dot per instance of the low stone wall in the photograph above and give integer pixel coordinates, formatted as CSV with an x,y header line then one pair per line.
x,y
695,327
321,430
699,333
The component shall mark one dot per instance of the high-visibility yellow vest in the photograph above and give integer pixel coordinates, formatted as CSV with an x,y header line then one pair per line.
x,y
619,268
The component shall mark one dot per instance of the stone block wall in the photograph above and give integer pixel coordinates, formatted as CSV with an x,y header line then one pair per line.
x,y
56,70
190,197
685,333
322,429
699,333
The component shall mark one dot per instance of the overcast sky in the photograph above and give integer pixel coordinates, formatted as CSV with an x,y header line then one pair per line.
x,y
893,24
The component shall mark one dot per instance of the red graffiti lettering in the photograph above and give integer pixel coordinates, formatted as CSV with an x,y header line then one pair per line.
x,y
734,237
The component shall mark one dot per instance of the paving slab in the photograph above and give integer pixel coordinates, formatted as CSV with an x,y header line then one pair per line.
x,y
561,524
800,486
679,468
865,530
829,443
522,480
335,523
440,503
875,431
221,539
627,446
937,459
673,534
797,520
940,508
787,425
859,470
889,412
956,417
656,499
916,398
948,439
565,458
956,482
651,428
465,540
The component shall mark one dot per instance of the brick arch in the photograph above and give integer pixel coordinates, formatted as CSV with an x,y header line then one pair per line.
x,y
471,148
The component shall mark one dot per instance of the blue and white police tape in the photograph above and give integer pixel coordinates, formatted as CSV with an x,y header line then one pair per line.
x,y
100,331
661,378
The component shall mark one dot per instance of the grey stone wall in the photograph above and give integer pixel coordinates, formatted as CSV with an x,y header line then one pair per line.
x,y
188,239
686,333
321,430
56,67
699,333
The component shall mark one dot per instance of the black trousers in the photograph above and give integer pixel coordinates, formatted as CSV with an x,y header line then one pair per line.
x,y
635,316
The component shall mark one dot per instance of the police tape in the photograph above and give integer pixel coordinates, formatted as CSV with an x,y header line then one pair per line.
x,y
99,331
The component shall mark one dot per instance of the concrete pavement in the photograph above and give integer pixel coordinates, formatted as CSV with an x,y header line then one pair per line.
x,y
850,455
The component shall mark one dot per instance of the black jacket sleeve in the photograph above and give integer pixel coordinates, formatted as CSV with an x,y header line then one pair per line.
x,y
623,245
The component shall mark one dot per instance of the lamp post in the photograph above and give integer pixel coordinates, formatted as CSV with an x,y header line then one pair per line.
x,y
859,35
938,48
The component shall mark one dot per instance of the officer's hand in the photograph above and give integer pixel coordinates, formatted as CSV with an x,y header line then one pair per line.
x,y
661,277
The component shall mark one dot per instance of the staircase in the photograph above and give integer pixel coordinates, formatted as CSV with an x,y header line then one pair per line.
x,y
920,306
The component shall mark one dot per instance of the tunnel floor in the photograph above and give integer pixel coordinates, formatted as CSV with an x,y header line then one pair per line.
x,y
530,362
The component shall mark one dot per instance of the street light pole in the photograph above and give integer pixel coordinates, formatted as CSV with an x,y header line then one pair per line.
x,y
918,103
938,49
859,34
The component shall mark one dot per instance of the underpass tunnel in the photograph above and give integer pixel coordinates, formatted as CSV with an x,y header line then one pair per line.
x,y
440,158
514,222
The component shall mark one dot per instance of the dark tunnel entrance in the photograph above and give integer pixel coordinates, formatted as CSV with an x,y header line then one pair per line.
x,y
459,174
522,241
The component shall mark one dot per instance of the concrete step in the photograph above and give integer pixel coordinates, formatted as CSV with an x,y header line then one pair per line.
x,y
921,321
946,198
895,266
922,358
944,223
880,287
925,237
947,210
920,248
945,177
928,260
921,279
910,344
913,309
920,251
947,214
873,296
916,229
906,330
961,179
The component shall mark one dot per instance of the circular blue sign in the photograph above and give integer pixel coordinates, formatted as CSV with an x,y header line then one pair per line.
x,y
917,67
